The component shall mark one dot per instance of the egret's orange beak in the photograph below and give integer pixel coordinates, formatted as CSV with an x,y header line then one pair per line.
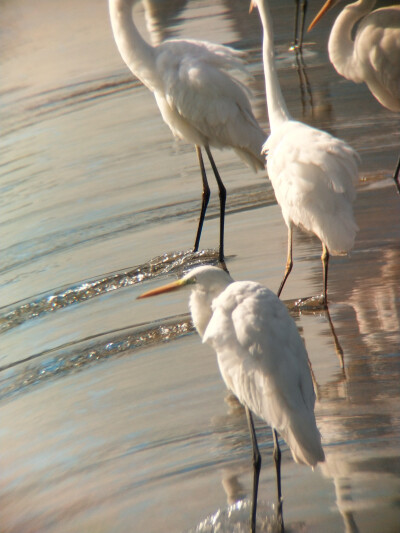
x,y
253,4
326,7
165,288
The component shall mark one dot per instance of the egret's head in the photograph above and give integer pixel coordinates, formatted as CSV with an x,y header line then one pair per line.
x,y
208,278
208,282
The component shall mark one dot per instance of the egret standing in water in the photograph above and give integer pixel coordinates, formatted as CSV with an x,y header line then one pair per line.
x,y
313,173
370,53
199,99
262,360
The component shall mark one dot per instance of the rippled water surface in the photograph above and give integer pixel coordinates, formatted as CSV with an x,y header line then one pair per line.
x,y
113,415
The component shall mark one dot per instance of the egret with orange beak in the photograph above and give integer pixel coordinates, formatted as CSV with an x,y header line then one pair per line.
x,y
313,173
370,53
262,360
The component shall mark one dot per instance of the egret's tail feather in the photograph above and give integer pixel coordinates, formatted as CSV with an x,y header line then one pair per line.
x,y
304,441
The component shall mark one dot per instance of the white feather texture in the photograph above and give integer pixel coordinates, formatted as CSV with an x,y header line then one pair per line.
x,y
314,182
260,354
371,52
200,99
313,173
202,102
364,46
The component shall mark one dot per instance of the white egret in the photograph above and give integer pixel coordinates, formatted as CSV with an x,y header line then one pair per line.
x,y
313,173
199,99
370,52
262,359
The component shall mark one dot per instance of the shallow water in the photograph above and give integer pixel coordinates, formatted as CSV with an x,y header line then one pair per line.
x,y
114,416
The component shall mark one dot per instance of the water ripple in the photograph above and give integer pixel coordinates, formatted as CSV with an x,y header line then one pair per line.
x,y
49,302
235,519
34,249
62,100
75,356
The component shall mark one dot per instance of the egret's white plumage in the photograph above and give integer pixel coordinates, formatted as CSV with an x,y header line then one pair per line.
x,y
198,96
262,360
372,54
367,53
313,176
260,353
313,173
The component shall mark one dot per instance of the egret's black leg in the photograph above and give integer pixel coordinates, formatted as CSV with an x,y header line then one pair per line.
x,y
303,20
205,198
277,459
396,176
256,470
222,202
289,261
296,23
325,263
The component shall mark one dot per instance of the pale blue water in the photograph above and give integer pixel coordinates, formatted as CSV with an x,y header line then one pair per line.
x,y
113,415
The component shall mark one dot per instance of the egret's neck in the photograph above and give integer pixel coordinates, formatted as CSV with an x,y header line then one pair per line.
x,y
341,44
200,309
277,110
135,51
200,303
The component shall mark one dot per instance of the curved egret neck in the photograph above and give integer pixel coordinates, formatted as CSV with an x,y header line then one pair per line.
x,y
135,51
210,283
200,304
341,44
277,110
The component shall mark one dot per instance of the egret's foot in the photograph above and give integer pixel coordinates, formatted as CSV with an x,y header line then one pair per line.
x,y
222,264
295,47
279,518
208,254
311,303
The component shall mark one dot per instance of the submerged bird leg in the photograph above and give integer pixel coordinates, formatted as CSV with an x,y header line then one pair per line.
x,y
396,176
325,262
256,469
222,202
277,459
289,260
205,198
